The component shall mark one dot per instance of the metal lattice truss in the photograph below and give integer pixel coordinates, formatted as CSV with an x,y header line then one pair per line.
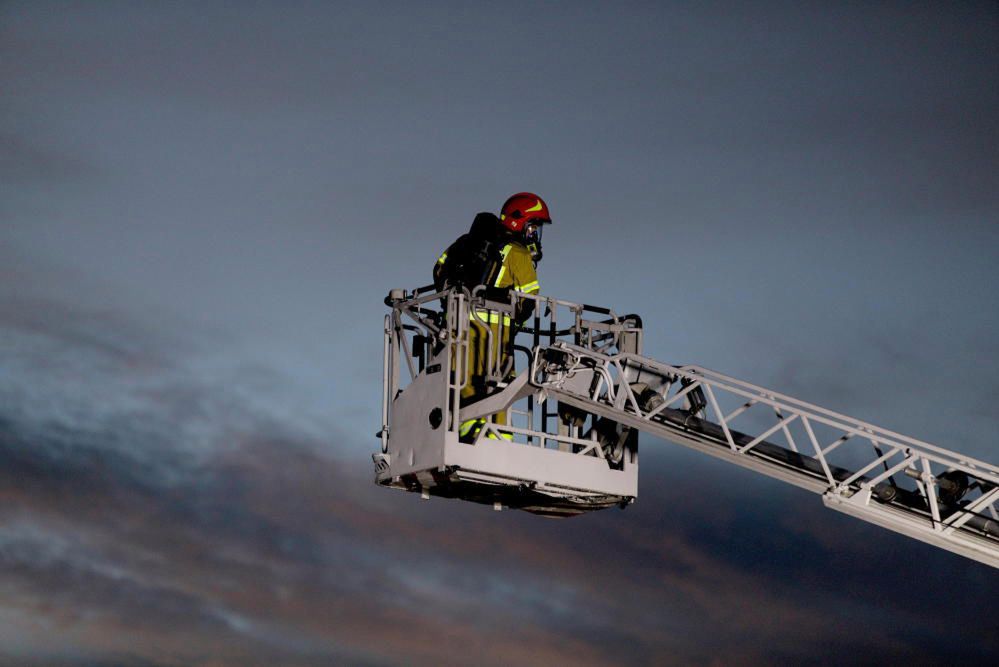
x,y
909,486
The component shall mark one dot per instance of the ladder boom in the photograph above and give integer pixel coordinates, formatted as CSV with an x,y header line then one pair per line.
x,y
506,444
953,500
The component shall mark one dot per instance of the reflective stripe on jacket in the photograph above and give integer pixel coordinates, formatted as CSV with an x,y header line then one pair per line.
x,y
517,271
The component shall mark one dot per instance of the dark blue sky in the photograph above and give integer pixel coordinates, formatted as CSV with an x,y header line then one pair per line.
x,y
202,206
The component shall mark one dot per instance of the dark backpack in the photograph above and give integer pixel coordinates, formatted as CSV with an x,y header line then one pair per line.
x,y
474,259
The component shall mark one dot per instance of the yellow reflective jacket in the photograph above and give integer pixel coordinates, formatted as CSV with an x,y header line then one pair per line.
x,y
517,270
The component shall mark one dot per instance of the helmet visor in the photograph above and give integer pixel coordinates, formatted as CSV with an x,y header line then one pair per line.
x,y
532,232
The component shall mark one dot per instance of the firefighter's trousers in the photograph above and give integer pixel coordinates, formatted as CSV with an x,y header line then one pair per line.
x,y
488,352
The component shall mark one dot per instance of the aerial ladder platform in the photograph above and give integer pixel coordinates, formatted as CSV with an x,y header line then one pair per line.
x,y
573,390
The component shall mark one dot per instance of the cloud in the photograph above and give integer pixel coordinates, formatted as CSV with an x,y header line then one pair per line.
x,y
153,517
258,538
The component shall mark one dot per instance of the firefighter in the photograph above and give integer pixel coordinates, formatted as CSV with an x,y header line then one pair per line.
x,y
501,254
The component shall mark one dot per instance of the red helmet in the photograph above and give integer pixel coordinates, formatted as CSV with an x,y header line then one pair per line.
x,y
522,208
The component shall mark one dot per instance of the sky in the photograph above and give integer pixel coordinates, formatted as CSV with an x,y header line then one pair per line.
x,y
202,206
